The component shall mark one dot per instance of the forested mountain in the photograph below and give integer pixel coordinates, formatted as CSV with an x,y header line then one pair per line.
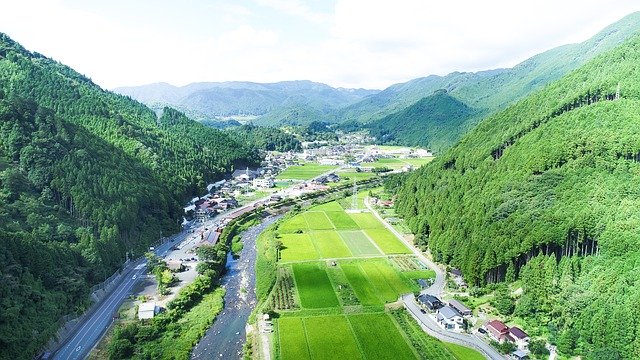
x,y
434,122
486,92
85,177
293,102
547,191
265,138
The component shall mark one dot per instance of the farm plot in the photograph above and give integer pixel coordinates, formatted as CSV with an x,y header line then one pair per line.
x,y
341,220
328,336
328,206
297,247
365,291
358,243
387,281
293,342
386,241
317,220
284,296
304,172
366,220
380,338
294,224
330,244
314,287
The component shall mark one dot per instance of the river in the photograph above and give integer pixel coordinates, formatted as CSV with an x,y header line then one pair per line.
x,y
225,338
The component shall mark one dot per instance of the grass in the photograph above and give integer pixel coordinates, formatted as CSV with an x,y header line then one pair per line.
x,y
294,224
366,220
317,220
328,336
342,220
314,286
328,206
417,162
293,342
379,337
330,244
387,241
304,172
419,274
387,281
297,247
428,347
358,243
365,291
463,353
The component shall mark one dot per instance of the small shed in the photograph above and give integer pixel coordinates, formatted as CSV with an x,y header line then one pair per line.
x,y
147,310
460,307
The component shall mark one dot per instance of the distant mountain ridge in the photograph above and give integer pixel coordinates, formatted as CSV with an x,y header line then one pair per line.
x,y
486,91
210,100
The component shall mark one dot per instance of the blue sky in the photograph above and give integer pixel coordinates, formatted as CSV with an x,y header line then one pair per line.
x,y
349,43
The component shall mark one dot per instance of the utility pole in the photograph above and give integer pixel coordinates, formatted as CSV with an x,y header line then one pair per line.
x,y
618,91
354,199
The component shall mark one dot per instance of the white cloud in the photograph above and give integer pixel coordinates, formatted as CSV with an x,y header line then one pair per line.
x,y
365,44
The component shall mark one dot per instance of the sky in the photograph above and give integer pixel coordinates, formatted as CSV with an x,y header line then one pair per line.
x,y
343,43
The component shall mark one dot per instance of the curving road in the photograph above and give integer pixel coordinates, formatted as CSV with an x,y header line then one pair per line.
x,y
436,289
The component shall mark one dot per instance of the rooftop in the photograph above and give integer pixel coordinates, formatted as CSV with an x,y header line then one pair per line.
x,y
518,333
498,325
448,312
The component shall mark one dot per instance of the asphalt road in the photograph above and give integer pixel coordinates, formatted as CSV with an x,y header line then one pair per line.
x,y
436,289
225,338
98,319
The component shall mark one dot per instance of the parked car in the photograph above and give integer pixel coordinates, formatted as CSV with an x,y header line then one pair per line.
x,y
482,331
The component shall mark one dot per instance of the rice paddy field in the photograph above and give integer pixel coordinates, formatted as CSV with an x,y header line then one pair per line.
x,y
304,172
344,268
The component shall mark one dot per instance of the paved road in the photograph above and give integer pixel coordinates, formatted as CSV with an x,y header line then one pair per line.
x,y
100,316
433,329
436,289
226,336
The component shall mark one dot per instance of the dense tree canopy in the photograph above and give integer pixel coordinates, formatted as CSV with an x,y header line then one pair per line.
x,y
86,176
555,175
265,138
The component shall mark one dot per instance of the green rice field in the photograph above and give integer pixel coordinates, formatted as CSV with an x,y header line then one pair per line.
x,y
304,172
314,286
387,241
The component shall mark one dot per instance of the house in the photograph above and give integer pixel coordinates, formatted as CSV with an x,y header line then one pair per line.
x,y
423,283
520,355
147,310
450,319
430,302
263,183
460,307
456,274
333,177
498,330
245,175
520,338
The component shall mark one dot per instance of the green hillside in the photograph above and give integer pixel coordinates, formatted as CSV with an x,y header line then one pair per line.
x,y
85,177
487,92
434,122
553,177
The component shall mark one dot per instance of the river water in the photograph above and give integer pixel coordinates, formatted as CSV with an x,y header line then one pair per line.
x,y
225,337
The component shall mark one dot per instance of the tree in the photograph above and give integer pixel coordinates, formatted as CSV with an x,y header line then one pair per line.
x,y
538,347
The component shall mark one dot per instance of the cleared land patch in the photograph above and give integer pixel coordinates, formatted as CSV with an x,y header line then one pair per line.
x,y
314,287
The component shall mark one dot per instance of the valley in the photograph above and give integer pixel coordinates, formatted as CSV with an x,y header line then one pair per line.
x,y
484,214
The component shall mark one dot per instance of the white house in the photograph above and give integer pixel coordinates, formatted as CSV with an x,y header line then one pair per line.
x,y
450,319
263,183
147,310
520,338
